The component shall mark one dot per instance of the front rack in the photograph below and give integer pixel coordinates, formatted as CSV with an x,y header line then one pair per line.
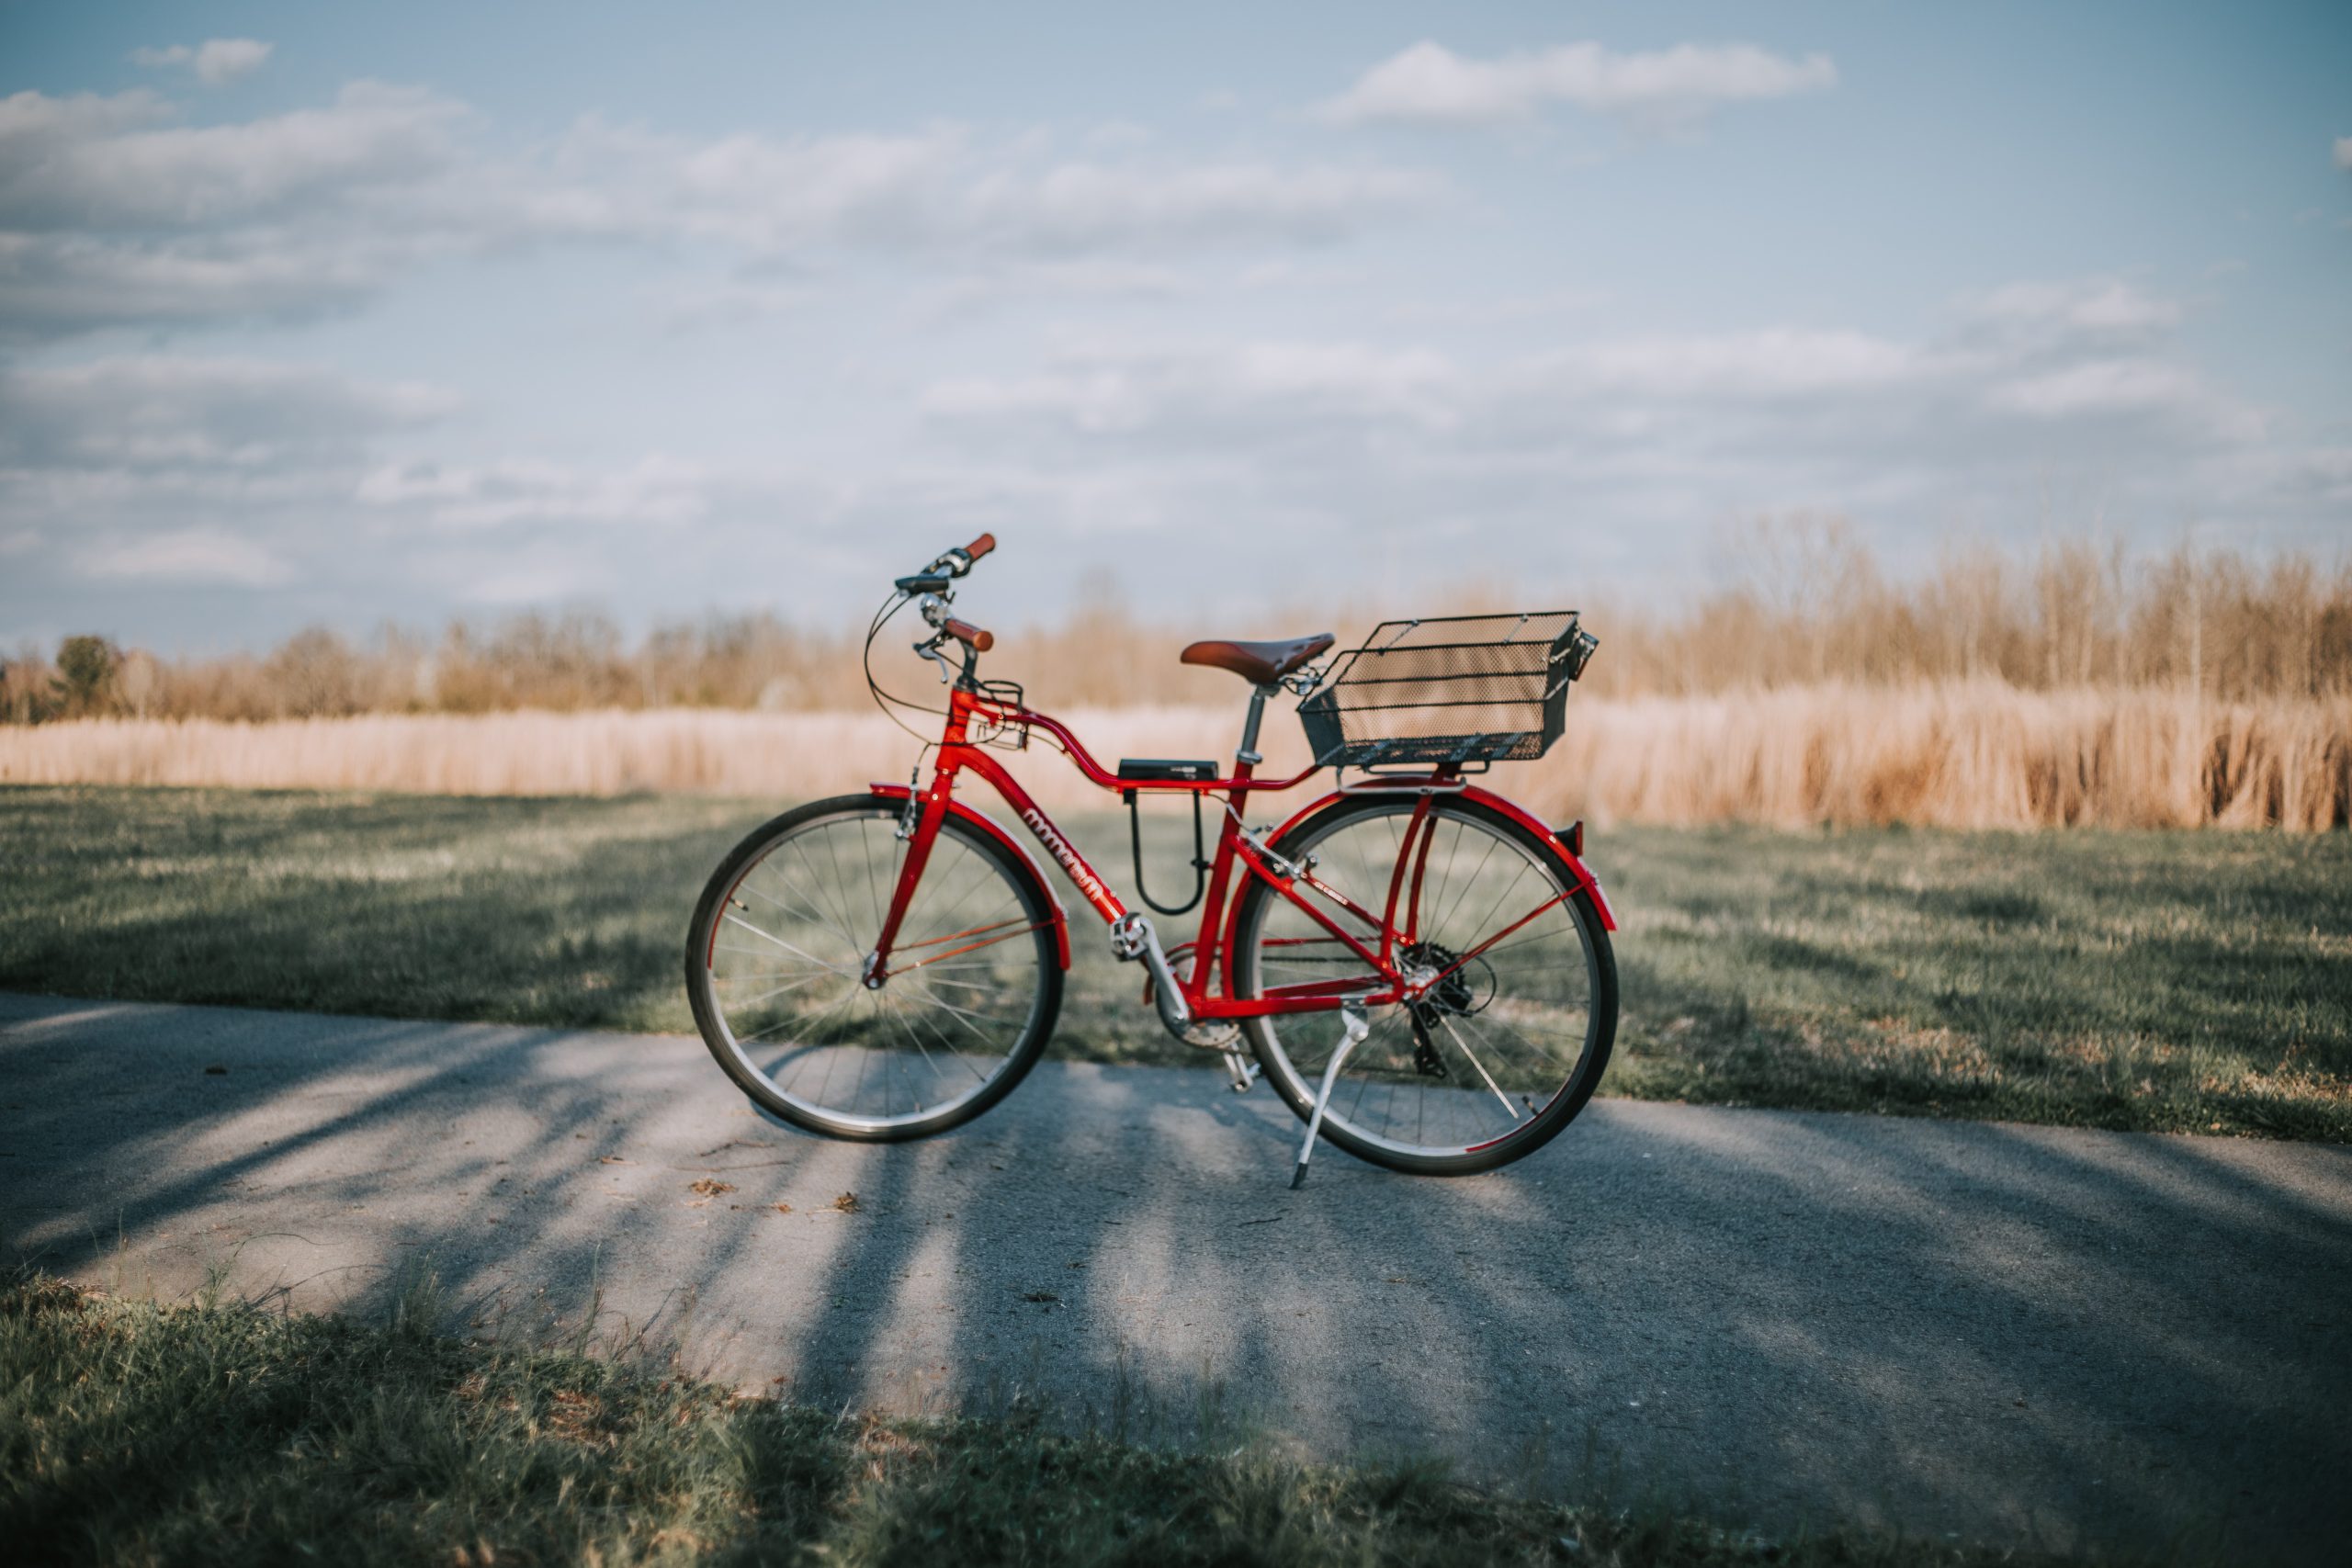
x,y
1449,690
1012,737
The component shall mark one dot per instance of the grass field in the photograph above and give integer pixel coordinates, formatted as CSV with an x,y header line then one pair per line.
x,y
2188,982
214,1433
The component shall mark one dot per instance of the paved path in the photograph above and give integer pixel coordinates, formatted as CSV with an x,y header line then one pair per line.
x,y
2015,1334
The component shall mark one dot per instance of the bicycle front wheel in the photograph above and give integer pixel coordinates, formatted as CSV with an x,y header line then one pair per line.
x,y
775,965
1512,1039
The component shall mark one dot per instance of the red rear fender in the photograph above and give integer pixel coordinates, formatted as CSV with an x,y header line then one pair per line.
x,y
988,825
1557,837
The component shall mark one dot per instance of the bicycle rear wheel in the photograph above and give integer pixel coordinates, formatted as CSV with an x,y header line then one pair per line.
x,y
775,963
1508,1044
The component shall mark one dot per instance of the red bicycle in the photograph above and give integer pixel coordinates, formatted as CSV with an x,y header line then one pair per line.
x,y
890,964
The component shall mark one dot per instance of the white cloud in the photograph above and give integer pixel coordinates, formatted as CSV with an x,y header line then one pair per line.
x,y
1085,207
146,413
204,555
1767,364
216,61
1305,440
32,125
87,166
194,471
940,190
54,287
657,489
2105,386
21,542
109,216
2091,306
1787,377
1233,387
1429,85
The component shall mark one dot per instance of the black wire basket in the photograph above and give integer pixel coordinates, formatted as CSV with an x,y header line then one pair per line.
x,y
1464,690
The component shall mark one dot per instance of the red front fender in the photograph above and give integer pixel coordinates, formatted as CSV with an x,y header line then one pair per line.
x,y
957,808
1555,837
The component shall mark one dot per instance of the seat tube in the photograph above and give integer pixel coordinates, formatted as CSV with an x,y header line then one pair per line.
x,y
1209,958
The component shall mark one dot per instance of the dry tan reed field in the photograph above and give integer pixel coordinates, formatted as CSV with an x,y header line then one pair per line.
x,y
1959,754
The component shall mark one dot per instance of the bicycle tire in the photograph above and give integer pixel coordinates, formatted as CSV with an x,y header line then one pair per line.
x,y
1297,1081
710,1009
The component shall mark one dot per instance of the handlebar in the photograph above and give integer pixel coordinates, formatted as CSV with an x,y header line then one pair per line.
x,y
977,639
951,565
933,588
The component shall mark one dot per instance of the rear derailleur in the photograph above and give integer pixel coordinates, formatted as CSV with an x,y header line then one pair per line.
x,y
1465,988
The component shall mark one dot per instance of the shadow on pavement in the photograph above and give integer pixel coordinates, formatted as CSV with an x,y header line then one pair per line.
x,y
2017,1334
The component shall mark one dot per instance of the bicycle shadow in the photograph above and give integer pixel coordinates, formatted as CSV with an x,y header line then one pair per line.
x,y
1770,1318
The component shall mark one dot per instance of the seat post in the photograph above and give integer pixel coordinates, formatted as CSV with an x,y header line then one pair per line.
x,y
1248,752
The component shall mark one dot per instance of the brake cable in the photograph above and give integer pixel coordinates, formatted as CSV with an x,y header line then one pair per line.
x,y
882,699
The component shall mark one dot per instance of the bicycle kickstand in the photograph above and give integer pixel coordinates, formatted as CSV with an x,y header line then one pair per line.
x,y
1352,1021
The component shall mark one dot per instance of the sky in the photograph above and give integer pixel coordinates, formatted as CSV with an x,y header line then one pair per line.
x,y
342,314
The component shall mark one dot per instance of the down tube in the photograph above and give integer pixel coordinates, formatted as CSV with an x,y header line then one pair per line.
x,y
1064,853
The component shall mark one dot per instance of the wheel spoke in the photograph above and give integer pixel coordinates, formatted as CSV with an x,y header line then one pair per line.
x,y
809,1031
780,991
786,945
810,913
1443,1113
1507,1106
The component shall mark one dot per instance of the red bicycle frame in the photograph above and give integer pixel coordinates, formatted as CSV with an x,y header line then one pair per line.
x,y
1207,987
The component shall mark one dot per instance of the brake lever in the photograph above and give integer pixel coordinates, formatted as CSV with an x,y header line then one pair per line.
x,y
930,650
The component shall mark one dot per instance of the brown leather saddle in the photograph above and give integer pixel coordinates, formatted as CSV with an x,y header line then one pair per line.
x,y
1260,663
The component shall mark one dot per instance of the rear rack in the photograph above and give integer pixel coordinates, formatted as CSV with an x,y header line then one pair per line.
x,y
1459,690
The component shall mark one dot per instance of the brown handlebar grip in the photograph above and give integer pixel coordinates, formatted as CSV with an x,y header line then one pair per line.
x,y
964,632
980,547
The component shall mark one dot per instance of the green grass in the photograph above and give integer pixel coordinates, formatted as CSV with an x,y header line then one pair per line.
x,y
133,1433
2189,982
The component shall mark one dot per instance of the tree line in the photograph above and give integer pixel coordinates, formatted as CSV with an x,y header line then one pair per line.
x,y
1805,604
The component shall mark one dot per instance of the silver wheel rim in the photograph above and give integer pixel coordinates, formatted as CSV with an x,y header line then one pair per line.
x,y
1507,1061
784,962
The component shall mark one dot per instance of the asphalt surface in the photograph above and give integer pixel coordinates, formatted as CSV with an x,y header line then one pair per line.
x,y
2008,1334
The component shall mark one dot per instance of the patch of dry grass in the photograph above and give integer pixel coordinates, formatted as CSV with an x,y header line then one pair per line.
x,y
1958,754
1953,754
685,750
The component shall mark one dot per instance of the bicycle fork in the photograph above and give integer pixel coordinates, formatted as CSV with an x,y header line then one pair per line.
x,y
1352,1030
